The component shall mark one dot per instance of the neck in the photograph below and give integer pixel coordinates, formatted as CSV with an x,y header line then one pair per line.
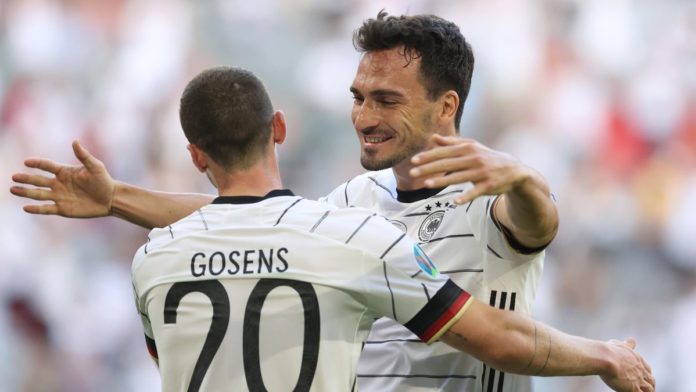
x,y
257,180
404,181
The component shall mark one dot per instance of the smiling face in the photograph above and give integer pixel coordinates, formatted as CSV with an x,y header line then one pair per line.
x,y
392,114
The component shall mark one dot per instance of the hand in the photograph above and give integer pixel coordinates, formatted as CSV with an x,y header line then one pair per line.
x,y
632,373
456,160
83,191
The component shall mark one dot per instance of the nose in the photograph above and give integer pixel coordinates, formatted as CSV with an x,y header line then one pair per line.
x,y
364,116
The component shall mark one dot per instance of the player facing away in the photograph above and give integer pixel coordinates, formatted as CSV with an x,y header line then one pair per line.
x,y
483,215
262,289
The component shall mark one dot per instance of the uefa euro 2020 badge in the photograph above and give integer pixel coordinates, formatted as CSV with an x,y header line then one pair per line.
x,y
424,262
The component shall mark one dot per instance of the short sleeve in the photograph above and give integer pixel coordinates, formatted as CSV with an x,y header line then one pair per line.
x,y
338,197
404,284
492,236
141,307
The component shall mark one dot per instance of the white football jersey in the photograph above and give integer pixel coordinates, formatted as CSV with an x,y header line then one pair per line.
x,y
279,293
467,244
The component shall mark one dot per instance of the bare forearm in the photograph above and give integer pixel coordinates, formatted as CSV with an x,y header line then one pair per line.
x,y
529,212
151,209
514,343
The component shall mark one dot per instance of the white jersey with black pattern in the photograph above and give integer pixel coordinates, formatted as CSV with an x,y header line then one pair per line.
x,y
466,243
269,293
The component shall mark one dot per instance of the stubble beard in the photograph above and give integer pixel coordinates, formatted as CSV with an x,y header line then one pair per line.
x,y
369,161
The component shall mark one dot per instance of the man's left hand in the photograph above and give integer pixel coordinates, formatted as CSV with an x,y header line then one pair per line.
x,y
455,160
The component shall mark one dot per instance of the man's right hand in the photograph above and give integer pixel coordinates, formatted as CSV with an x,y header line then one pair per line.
x,y
81,191
631,372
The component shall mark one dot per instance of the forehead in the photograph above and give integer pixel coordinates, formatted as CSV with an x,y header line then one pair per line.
x,y
387,69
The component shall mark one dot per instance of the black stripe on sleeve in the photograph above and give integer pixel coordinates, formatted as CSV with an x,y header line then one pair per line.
x,y
151,346
494,252
503,299
391,293
205,224
392,245
488,382
417,214
458,271
469,206
171,233
286,210
501,380
148,241
359,227
491,379
345,191
433,310
447,193
427,295
383,187
455,271
319,221
494,294
449,236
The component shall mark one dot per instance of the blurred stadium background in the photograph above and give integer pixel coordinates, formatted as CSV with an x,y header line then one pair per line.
x,y
599,95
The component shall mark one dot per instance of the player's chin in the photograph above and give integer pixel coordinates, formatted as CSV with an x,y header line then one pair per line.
x,y
375,162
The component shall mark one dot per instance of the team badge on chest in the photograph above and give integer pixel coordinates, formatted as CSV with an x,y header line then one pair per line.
x,y
430,225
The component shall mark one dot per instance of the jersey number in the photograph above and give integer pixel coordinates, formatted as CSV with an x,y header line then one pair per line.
x,y
215,291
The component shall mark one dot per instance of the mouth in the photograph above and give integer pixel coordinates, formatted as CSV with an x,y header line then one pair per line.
x,y
373,140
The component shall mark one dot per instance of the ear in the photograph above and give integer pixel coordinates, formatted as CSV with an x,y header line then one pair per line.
x,y
198,158
449,103
279,127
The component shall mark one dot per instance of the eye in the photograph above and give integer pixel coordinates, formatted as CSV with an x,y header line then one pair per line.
x,y
358,100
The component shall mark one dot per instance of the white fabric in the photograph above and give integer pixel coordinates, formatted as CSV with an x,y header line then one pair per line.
x,y
346,255
465,243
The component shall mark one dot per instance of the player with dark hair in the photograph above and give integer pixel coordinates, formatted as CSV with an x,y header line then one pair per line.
x,y
482,214
307,277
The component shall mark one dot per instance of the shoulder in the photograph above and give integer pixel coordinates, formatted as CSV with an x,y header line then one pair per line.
x,y
361,184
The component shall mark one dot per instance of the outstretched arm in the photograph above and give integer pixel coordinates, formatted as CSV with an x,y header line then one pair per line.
x,y
88,191
513,343
524,207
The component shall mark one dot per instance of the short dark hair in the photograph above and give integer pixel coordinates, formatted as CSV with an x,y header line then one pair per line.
x,y
447,61
226,112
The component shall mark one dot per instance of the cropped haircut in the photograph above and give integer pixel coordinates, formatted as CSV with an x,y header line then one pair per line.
x,y
447,61
226,112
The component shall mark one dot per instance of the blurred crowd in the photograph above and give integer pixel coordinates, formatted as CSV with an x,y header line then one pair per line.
x,y
598,95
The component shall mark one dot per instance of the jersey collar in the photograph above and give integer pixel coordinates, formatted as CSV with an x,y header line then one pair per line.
x,y
251,199
416,195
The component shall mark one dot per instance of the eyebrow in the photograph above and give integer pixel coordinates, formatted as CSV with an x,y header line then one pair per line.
x,y
379,93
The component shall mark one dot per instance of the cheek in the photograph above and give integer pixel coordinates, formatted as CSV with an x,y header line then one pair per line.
x,y
408,120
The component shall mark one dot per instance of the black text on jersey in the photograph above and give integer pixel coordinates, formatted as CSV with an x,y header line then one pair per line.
x,y
247,261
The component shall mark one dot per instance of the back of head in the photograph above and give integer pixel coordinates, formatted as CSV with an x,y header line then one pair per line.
x,y
447,61
227,113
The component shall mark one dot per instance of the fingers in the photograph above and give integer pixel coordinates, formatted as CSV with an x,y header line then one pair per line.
x,y
443,165
446,151
43,164
42,209
31,193
32,179
456,177
87,159
470,195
